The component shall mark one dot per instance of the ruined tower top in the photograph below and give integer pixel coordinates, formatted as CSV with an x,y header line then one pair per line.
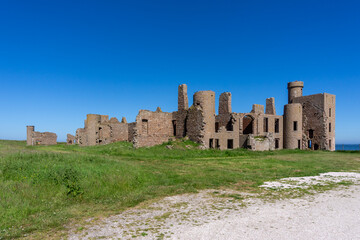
x,y
225,103
295,89
183,102
270,106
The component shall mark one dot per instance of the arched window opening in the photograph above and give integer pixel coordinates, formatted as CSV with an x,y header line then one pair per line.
x,y
248,122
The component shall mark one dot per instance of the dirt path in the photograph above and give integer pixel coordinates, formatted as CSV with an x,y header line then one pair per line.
x,y
214,214
331,215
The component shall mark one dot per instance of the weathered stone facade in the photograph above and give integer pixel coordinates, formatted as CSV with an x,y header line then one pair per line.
x,y
152,128
318,121
308,123
39,138
99,129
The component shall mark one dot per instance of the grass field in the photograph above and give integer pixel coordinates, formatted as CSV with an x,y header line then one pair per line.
x,y
45,187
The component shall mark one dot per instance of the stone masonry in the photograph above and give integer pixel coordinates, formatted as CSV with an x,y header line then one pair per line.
x,y
39,138
308,123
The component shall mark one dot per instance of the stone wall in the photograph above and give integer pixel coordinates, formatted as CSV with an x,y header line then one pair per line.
x,y
70,139
99,130
131,129
196,124
153,128
181,115
270,106
261,143
39,138
225,103
315,126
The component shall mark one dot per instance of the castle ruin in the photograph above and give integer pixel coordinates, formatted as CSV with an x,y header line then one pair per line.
x,y
39,138
308,123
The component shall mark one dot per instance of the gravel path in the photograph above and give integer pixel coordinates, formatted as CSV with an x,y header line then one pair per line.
x,y
331,215
214,214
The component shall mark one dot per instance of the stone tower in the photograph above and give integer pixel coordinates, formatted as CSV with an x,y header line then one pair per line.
x,y
206,100
293,126
295,89
183,104
201,117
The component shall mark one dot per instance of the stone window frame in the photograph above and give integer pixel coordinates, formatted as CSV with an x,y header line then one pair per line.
x,y
277,125
266,124
295,126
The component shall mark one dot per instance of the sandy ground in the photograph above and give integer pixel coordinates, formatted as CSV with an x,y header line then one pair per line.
x,y
214,214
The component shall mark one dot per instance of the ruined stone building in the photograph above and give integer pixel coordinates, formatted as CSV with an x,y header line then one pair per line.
x,y
308,123
39,138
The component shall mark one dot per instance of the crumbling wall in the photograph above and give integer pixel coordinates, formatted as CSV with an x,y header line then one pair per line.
x,y
227,130
80,137
261,143
225,103
195,124
181,114
315,122
114,131
39,138
270,106
131,129
152,128
70,139
100,130
258,109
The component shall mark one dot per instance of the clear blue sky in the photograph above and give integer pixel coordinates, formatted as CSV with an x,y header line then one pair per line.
x,y
60,60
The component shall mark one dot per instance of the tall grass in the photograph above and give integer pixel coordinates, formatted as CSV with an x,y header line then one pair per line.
x,y
44,187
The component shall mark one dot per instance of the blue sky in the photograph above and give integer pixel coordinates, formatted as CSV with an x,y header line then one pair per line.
x,y
60,60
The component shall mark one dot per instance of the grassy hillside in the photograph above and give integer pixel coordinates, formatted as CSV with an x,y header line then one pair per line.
x,y
44,187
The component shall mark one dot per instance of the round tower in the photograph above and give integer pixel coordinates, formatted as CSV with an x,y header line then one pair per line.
x,y
293,126
295,89
206,100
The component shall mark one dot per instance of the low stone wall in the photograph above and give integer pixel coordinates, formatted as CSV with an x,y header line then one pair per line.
x,y
261,143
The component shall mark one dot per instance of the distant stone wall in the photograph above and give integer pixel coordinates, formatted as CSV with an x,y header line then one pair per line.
x,y
100,130
308,122
39,138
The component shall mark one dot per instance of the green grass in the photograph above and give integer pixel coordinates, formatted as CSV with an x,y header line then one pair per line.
x,y
45,187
